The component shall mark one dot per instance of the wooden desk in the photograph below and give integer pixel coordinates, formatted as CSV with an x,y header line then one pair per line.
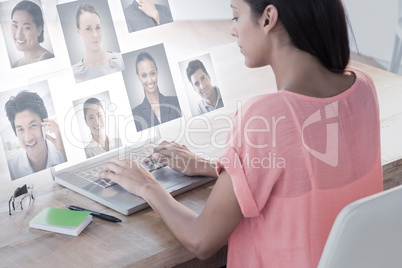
x,y
142,240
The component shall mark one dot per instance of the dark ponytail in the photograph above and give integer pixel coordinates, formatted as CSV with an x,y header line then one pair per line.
x,y
317,27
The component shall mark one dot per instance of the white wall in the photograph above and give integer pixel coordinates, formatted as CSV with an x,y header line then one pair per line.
x,y
200,9
373,23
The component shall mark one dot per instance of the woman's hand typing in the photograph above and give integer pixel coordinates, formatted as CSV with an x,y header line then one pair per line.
x,y
181,159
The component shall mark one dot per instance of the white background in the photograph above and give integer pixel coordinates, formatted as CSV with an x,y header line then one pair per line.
x,y
373,22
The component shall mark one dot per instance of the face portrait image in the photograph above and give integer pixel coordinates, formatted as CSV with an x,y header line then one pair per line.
x,y
144,14
91,39
150,88
97,124
201,84
25,32
30,134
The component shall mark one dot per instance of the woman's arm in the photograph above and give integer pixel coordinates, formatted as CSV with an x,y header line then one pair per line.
x,y
202,234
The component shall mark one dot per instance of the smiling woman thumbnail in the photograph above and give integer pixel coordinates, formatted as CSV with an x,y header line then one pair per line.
x,y
156,108
27,32
94,115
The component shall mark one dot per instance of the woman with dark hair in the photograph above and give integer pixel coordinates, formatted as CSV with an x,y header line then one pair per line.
x,y
96,62
324,135
156,108
94,115
27,31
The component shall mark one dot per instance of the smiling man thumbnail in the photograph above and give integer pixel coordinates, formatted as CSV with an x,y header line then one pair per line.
x,y
201,81
28,117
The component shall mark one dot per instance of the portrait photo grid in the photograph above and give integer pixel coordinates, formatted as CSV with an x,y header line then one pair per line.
x,y
74,88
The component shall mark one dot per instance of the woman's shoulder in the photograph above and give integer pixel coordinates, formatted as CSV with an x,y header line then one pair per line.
x,y
79,64
79,67
116,55
92,143
116,61
46,55
361,76
143,105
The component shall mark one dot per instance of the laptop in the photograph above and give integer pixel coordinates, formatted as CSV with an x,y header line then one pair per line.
x,y
81,178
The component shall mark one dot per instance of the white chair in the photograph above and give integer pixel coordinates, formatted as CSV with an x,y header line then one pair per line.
x,y
397,54
367,233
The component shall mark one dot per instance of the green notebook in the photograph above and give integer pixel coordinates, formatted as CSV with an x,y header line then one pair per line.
x,y
62,221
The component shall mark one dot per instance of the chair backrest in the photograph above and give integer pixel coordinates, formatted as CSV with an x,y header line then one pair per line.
x,y
367,233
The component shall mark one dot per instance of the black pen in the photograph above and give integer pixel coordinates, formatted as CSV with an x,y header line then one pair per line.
x,y
96,214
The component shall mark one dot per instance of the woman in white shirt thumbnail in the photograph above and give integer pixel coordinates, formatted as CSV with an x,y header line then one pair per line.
x,y
94,115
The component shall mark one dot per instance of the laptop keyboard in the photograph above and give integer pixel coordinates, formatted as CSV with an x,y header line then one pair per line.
x,y
89,174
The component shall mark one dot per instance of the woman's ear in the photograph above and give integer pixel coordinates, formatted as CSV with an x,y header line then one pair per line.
x,y
269,18
39,31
